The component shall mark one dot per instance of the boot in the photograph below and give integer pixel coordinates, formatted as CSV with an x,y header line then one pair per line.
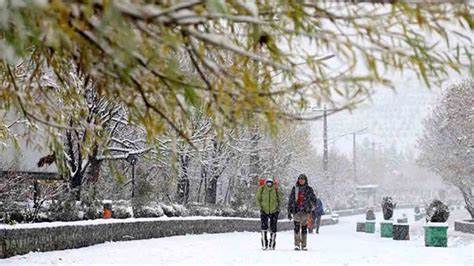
x,y
318,224
272,240
264,240
297,240
303,241
304,234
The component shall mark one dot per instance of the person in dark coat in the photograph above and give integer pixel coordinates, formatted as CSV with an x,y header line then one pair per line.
x,y
315,220
318,212
300,205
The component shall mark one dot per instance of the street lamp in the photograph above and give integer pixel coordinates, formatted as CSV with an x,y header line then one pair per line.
x,y
133,159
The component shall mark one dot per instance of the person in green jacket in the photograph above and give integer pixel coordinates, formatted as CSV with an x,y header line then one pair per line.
x,y
269,200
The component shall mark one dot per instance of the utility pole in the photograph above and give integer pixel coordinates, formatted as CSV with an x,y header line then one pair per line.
x,y
354,157
325,138
325,143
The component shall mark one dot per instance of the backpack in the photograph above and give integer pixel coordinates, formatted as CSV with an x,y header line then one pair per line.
x,y
261,183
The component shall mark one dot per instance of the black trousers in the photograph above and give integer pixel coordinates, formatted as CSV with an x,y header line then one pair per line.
x,y
273,217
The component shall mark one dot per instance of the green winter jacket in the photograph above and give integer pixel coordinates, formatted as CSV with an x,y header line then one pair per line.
x,y
269,199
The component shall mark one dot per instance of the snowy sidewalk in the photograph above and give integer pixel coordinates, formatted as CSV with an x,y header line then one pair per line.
x,y
338,244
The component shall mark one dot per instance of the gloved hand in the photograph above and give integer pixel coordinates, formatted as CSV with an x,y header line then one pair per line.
x,y
289,216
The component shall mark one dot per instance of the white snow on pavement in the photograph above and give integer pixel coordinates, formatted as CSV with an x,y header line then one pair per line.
x,y
337,244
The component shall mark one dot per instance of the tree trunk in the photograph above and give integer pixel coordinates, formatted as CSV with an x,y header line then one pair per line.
x,y
203,177
76,186
229,190
183,182
211,191
254,169
75,164
94,166
468,199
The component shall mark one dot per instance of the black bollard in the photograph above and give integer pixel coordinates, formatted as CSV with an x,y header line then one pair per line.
x,y
401,231
360,227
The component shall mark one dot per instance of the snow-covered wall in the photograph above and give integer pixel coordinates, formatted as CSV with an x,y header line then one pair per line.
x,y
464,226
17,240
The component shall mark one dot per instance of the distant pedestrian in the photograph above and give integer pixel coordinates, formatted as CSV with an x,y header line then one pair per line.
x,y
318,212
300,205
269,199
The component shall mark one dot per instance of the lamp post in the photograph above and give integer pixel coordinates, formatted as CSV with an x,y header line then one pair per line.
x,y
133,159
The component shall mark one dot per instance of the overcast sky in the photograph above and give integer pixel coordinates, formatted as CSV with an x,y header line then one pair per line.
x,y
391,118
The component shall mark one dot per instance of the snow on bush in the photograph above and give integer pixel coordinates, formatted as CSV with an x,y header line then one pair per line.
x,y
197,210
122,209
70,210
152,209
17,213
417,209
92,209
167,209
437,212
66,210
387,207
180,210
370,215
228,212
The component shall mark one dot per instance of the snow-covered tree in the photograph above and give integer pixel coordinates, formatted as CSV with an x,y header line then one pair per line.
x,y
215,161
188,149
97,127
448,142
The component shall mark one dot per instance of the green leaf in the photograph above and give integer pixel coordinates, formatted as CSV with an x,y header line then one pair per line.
x,y
216,6
191,96
422,68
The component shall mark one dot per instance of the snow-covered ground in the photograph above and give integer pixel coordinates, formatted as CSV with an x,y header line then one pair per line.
x,y
337,244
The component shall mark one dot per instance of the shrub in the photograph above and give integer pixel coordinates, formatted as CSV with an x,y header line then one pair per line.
x,y
370,215
122,209
168,210
180,210
417,209
152,209
437,212
387,207
67,210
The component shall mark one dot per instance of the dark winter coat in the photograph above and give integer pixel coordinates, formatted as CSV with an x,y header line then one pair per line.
x,y
319,207
309,198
